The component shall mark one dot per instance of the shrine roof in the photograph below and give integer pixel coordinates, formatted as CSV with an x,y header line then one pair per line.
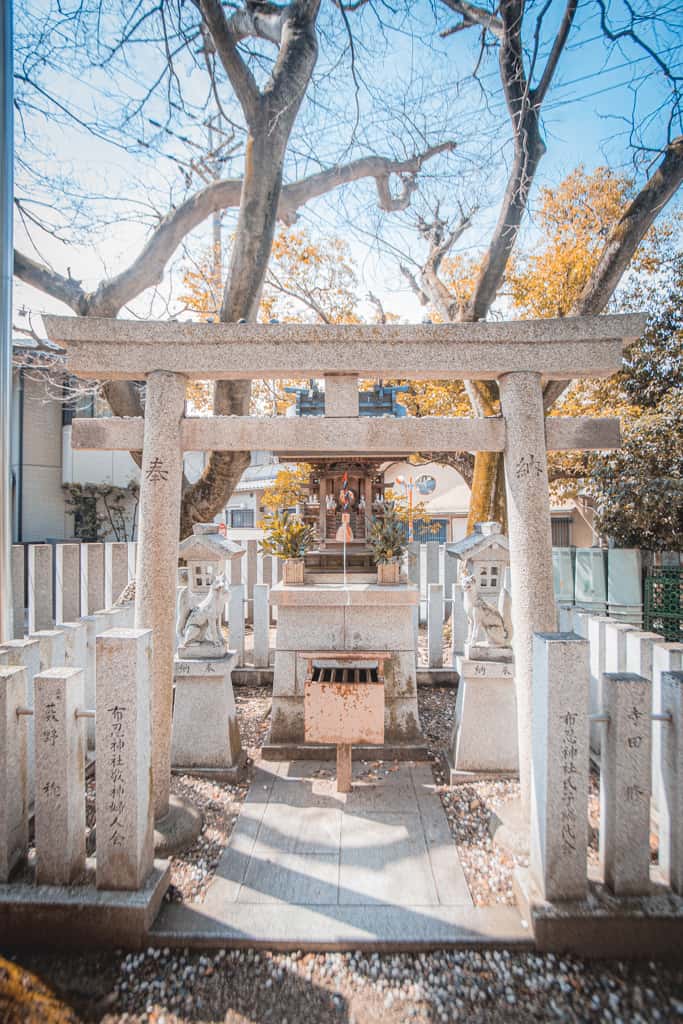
x,y
207,545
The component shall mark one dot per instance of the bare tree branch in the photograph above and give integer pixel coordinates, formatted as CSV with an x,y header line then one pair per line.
x,y
225,42
473,15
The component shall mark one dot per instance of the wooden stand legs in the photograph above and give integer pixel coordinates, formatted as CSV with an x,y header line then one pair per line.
x,y
343,767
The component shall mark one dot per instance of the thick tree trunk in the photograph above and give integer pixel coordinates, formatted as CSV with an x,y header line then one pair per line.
x,y
249,262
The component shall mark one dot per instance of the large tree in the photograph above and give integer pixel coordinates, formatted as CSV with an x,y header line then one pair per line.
x,y
245,82
515,30
294,133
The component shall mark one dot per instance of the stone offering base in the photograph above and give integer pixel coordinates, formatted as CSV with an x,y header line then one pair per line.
x,y
328,752
81,916
331,620
603,925
234,775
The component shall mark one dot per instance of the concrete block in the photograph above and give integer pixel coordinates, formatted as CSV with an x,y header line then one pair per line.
x,y
286,679
432,553
76,656
400,675
60,777
625,780
92,578
639,652
67,582
616,634
666,657
18,591
341,396
671,802
261,624
310,629
376,628
559,769
124,802
13,770
115,571
287,720
205,730
596,639
236,619
26,653
401,721
435,618
40,587
52,647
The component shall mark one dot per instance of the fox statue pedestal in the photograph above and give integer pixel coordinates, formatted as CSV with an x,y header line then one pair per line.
x,y
205,739
206,736
484,739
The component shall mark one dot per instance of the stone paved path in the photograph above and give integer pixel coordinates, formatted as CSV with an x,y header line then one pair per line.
x,y
307,866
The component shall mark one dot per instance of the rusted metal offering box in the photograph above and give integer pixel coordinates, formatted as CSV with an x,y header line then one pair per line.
x,y
344,703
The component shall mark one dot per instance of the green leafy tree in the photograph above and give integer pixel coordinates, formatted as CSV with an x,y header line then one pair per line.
x,y
638,489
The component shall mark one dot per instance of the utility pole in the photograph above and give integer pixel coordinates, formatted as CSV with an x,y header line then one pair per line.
x,y
6,266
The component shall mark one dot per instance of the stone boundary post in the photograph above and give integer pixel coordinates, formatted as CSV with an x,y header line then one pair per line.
x,y
27,654
530,539
115,570
13,770
124,798
40,587
261,624
625,783
236,620
67,582
435,616
666,657
18,590
92,577
671,804
616,635
559,781
60,777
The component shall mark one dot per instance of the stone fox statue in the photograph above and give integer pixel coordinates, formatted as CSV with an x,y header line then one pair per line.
x,y
202,624
485,623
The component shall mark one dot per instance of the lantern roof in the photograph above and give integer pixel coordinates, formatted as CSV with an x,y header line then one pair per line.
x,y
486,538
207,544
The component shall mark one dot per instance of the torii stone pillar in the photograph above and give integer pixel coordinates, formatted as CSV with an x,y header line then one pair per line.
x,y
157,558
530,539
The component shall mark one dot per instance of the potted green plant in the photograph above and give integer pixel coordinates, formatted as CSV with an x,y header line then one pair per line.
x,y
387,541
288,538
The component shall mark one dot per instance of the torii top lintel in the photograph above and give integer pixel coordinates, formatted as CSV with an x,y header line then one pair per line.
x,y
561,349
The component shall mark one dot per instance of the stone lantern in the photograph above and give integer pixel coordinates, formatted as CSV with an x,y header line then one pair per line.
x,y
484,739
205,737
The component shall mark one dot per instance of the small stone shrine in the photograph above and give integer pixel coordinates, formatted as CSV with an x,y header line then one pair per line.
x,y
205,737
485,729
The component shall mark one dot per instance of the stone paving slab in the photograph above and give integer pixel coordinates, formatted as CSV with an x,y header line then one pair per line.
x,y
307,867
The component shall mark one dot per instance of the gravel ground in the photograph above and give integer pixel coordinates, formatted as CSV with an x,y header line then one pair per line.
x,y
244,987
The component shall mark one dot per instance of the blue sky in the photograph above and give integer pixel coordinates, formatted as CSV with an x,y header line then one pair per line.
x,y
411,86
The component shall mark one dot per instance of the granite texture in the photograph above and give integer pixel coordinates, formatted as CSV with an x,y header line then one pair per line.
x,y
563,348
484,737
13,770
60,777
671,806
157,559
529,539
625,781
559,783
40,587
124,809
205,730
67,582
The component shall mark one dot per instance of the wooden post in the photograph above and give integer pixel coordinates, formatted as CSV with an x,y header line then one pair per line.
x,y
344,768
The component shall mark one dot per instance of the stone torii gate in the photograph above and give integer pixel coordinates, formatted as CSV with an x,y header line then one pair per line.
x,y
519,355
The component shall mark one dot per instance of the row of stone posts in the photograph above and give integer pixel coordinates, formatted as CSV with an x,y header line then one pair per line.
x,y
54,706
631,713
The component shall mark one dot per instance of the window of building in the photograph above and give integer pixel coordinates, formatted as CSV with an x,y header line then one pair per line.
x,y
561,527
241,518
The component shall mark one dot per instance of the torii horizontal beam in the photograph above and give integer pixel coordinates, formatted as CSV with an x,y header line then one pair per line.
x,y
562,349
318,435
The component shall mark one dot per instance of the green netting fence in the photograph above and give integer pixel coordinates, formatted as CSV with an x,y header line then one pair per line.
x,y
663,612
